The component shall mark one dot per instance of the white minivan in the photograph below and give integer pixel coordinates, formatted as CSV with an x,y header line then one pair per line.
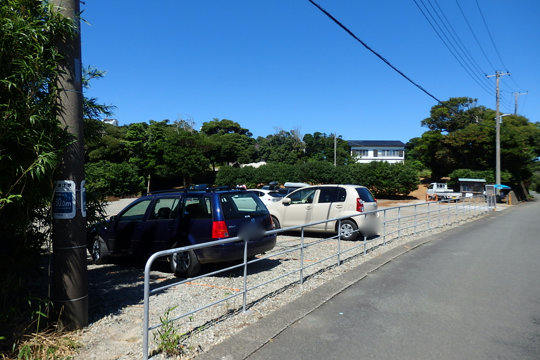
x,y
323,202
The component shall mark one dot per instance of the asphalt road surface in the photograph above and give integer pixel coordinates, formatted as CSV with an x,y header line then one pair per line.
x,y
473,293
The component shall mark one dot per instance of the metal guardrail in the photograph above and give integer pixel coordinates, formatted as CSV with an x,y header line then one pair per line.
x,y
395,222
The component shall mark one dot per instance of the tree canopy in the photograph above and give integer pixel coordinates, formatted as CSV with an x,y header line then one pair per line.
x,y
466,140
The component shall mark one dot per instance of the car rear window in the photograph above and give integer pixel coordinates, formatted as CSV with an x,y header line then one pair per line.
x,y
241,205
365,194
332,194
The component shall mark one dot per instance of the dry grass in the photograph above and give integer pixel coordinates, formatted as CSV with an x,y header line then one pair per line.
x,y
45,345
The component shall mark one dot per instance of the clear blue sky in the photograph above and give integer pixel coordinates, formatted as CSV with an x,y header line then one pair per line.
x,y
282,64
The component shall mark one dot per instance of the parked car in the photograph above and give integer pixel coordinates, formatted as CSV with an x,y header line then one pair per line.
x,y
323,202
289,187
267,196
165,220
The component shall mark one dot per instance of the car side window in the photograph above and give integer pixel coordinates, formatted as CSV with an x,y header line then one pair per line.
x,y
197,207
303,196
332,194
135,212
164,208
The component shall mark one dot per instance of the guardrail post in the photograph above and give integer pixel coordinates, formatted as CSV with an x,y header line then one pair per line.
x,y
414,219
399,223
384,227
244,296
428,217
439,214
448,215
146,315
339,245
302,254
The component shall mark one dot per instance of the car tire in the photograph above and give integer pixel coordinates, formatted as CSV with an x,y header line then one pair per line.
x,y
98,250
349,230
184,264
277,225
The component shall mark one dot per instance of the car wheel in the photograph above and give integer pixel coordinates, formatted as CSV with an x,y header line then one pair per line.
x,y
185,263
277,225
98,250
349,230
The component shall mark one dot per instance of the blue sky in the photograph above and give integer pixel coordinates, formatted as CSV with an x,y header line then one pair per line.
x,y
282,64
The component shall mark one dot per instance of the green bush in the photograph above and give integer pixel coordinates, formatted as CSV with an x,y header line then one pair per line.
x,y
382,178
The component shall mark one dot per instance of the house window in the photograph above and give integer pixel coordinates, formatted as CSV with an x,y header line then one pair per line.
x,y
392,153
375,153
360,153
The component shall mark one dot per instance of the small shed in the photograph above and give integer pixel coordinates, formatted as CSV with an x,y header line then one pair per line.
x,y
470,187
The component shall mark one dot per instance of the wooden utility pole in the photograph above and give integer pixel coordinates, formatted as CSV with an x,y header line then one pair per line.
x,y
70,280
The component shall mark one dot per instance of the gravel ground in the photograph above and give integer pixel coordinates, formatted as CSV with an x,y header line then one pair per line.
x,y
116,290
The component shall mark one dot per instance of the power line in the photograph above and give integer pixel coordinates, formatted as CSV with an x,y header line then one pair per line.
x,y
458,41
490,37
474,36
376,53
449,45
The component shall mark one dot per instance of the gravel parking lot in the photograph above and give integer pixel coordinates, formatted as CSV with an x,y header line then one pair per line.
x,y
116,290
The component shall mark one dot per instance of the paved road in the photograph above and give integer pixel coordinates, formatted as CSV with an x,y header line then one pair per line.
x,y
473,293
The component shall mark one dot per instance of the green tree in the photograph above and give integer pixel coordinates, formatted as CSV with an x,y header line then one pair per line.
x,y
466,140
228,142
320,147
284,147
183,156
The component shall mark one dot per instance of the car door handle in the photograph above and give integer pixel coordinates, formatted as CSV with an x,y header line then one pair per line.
x,y
309,207
339,206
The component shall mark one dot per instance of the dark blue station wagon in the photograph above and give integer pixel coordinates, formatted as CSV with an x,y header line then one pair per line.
x,y
165,220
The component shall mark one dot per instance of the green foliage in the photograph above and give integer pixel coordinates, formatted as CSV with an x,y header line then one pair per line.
x,y
117,179
466,140
31,143
167,336
320,147
282,147
382,178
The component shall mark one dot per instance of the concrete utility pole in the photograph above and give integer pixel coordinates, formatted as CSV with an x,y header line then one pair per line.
x,y
335,150
516,95
497,75
70,281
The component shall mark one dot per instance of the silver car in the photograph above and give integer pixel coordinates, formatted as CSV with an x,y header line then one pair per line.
x,y
323,202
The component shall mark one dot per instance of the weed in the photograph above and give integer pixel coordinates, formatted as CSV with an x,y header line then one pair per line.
x,y
167,336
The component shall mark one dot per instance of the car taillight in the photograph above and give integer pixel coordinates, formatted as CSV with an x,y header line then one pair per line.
x,y
359,205
219,230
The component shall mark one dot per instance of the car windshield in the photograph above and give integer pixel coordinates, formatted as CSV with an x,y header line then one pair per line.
x,y
241,205
365,195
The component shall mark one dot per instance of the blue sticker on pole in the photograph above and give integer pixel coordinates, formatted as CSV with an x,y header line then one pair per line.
x,y
63,205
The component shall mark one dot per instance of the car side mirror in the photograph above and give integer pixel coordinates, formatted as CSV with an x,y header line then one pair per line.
x,y
286,201
113,218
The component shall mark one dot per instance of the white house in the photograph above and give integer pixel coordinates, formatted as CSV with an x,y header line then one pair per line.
x,y
365,151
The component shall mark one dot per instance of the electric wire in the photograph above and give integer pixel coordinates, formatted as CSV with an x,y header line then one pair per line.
x,y
457,38
377,54
474,36
451,48
490,36
494,45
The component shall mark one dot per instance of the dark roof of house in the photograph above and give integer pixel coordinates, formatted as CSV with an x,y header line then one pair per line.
x,y
389,143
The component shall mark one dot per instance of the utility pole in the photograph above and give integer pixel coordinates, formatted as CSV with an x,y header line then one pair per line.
x,y
335,149
516,95
70,279
497,75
